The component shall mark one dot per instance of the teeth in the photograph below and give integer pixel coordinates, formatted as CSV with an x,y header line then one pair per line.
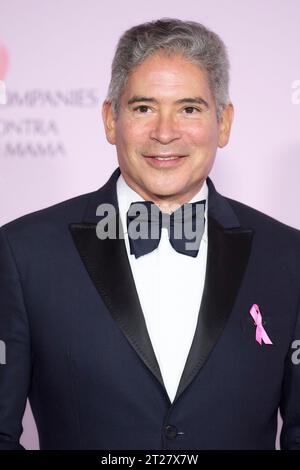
x,y
165,158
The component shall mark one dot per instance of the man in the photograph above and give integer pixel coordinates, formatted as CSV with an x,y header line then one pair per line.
x,y
131,343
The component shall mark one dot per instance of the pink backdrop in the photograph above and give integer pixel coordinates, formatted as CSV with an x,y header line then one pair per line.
x,y
55,60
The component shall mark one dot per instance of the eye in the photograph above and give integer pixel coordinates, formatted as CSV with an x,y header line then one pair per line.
x,y
143,109
192,110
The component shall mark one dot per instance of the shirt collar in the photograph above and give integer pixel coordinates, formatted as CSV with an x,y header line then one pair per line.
x,y
126,195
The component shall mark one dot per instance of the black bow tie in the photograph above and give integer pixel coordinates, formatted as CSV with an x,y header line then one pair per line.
x,y
185,227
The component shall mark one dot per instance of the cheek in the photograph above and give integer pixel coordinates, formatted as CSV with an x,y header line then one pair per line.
x,y
202,135
130,135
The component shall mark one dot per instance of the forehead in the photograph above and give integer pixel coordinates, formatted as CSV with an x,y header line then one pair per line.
x,y
167,75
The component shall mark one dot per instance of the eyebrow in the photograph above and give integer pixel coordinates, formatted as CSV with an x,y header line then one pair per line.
x,y
146,99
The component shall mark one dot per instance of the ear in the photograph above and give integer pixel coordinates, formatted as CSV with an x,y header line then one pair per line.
x,y
225,125
109,122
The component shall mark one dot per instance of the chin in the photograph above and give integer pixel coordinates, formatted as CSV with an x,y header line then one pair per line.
x,y
165,192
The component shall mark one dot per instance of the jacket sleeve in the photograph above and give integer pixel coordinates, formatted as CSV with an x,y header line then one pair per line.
x,y
290,399
15,355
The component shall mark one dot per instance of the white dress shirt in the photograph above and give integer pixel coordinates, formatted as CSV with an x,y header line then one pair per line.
x,y
170,287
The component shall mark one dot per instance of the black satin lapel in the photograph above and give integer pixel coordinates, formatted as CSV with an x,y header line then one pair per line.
x,y
107,264
227,258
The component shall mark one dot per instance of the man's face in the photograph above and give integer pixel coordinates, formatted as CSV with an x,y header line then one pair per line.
x,y
166,133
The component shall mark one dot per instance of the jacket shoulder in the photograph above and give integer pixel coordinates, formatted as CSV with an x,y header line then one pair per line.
x,y
250,217
69,210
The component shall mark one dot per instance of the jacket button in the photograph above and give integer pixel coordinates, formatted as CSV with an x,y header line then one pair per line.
x,y
171,432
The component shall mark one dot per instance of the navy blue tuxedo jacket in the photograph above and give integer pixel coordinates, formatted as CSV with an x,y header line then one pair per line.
x,y
77,344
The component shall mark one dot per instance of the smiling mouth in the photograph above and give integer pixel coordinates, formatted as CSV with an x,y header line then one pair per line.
x,y
165,161
164,158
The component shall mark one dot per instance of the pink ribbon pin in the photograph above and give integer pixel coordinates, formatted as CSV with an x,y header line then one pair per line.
x,y
261,334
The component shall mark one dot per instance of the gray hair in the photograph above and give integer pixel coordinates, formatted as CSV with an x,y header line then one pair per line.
x,y
193,40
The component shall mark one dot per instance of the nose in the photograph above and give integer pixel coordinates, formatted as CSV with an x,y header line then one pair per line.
x,y
165,129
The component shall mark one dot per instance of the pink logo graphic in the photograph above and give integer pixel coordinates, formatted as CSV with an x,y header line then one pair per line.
x,y
4,61
261,334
